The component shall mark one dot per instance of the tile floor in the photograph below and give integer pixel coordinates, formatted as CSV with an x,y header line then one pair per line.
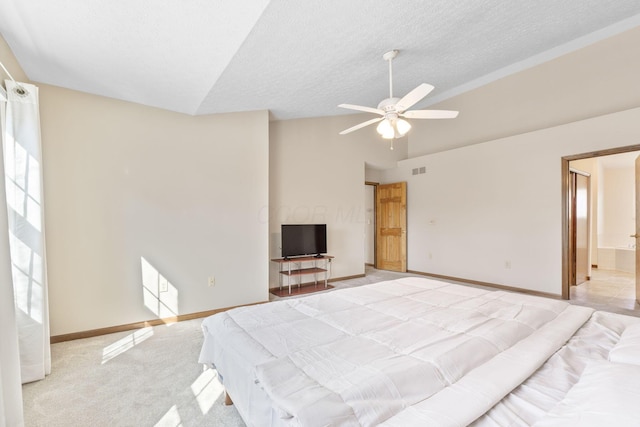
x,y
608,290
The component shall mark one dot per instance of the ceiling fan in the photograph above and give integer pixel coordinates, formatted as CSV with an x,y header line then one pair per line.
x,y
393,110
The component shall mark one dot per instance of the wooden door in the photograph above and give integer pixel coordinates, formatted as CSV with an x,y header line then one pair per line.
x,y
391,226
579,227
636,235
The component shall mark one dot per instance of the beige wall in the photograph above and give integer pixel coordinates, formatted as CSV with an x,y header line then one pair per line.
x,y
126,182
143,205
136,196
317,176
599,79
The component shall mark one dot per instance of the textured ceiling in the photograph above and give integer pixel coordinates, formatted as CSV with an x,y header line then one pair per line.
x,y
294,58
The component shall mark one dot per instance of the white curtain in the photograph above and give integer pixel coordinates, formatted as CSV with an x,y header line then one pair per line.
x,y
10,389
23,183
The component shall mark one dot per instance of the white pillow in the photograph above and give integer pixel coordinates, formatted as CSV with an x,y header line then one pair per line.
x,y
627,350
607,394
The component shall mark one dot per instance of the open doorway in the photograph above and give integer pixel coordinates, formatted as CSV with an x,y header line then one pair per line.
x,y
370,224
609,251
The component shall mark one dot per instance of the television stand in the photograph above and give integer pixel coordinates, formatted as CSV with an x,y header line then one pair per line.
x,y
321,266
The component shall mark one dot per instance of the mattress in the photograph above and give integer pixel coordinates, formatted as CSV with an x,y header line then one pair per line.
x,y
405,352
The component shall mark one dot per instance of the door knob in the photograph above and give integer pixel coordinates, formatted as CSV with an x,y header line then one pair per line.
x,y
635,235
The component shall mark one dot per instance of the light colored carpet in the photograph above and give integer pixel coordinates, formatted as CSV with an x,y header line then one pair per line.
x,y
149,377
138,378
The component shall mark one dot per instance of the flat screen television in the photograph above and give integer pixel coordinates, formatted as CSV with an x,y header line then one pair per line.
x,y
303,239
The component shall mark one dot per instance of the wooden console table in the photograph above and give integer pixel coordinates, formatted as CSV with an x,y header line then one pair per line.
x,y
321,265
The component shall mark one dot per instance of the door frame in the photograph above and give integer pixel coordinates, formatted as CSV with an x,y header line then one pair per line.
x,y
573,265
565,206
375,224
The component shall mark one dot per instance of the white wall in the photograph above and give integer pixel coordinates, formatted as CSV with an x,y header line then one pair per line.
x,y
317,176
618,208
139,198
492,211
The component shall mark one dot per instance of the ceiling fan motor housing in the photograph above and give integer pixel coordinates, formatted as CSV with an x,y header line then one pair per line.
x,y
388,105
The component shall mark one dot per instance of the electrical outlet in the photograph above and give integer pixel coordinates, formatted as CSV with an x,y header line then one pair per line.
x,y
212,281
507,265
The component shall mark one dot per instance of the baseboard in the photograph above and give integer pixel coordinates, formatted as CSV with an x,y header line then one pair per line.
x,y
163,321
139,325
489,285
340,279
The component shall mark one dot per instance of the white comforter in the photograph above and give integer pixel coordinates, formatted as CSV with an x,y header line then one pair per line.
x,y
405,352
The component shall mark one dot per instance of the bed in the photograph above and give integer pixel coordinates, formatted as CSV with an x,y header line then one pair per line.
x,y
422,352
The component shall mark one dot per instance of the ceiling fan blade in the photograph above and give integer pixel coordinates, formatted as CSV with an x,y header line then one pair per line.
x,y
412,97
430,114
361,108
361,125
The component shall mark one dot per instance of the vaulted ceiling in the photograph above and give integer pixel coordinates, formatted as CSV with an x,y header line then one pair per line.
x,y
294,58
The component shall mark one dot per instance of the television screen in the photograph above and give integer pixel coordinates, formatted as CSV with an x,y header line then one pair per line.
x,y
303,239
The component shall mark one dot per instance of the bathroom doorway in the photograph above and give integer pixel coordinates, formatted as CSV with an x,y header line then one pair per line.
x,y
611,248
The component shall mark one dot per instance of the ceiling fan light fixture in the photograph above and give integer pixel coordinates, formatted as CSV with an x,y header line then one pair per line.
x,y
403,127
393,128
385,129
